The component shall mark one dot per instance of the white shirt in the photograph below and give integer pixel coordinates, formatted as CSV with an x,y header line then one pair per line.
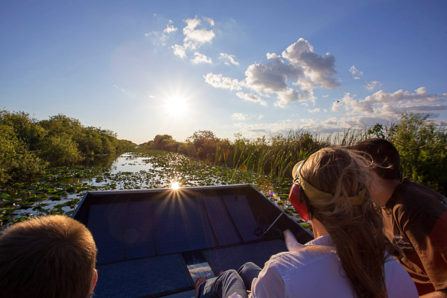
x,y
308,271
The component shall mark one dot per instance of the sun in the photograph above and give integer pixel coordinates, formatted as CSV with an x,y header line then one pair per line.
x,y
175,185
176,106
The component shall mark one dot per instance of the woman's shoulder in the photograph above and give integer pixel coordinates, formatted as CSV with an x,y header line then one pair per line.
x,y
305,256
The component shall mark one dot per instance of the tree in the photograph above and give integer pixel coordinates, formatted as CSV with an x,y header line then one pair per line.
x,y
158,141
205,143
422,146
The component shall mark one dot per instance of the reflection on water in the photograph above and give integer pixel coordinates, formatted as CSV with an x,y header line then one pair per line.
x,y
130,163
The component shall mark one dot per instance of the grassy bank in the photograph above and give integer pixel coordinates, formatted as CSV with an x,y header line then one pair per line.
x,y
422,145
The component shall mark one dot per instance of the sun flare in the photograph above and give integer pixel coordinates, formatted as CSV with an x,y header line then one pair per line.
x,y
175,185
176,106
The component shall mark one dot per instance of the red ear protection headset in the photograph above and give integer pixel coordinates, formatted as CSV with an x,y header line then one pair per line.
x,y
298,198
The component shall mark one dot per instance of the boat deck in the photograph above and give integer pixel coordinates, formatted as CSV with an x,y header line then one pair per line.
x,y
154,243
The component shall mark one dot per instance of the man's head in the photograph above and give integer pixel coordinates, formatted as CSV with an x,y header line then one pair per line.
x,y
385,157
51,256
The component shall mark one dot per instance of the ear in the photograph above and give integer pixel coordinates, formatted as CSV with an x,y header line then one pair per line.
x,y
95,279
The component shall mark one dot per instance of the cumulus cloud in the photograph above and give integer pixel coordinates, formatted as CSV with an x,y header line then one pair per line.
x,y
229,59
251,97
336,106
240,117
289,96
260,117
169,29
271,77
326,95
200,58
218,81
371,86
316,110
298,65
179,51
356,74
392,105
195,37
151,96
320,69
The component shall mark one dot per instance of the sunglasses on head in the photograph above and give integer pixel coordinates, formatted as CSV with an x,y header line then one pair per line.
x,y
298,198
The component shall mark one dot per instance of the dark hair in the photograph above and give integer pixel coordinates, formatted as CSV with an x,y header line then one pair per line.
x,y
51,256
356,230
385,157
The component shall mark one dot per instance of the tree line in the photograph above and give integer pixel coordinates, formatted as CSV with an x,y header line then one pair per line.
x,y
28,146
422,145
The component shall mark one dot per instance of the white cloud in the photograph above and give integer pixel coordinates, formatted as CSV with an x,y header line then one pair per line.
x,y
251,97
179,51
391,105
196,37
273,77
151,96
356,74
218,81
371,86
170,28
209,20
229,59
325,110
318,68
316,110
240,117
200,58
260,117
162,36
336,106
326,96
304,68
153,33
289,96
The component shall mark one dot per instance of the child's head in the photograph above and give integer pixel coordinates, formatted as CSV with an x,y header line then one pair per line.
x,y
51,256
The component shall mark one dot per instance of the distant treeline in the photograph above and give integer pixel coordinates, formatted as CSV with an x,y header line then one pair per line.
x,y
28,146
421,143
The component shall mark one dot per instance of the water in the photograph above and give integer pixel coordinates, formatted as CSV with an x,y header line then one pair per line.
x,y
61,190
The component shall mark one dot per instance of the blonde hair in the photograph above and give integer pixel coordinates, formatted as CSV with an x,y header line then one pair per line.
x,y
52,256
355,230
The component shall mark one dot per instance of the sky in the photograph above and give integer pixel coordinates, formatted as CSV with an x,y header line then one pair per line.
x,y
259,68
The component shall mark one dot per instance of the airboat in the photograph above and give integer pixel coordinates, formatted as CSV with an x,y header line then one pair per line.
x,y
157,242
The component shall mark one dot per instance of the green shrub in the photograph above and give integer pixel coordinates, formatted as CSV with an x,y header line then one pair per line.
x,y
422,145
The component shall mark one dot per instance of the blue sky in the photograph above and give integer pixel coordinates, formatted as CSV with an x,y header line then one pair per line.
x,y
142,68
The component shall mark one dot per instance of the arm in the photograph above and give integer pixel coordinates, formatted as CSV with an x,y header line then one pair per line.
x,y
427,235
269,283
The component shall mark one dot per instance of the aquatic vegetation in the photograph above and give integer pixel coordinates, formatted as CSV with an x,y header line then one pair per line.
x,y
60,189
